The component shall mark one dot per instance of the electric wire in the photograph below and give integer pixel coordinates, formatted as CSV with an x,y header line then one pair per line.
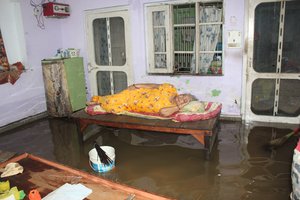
x,y
38,12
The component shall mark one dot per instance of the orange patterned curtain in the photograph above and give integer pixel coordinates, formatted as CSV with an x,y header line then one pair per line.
x,y
8,73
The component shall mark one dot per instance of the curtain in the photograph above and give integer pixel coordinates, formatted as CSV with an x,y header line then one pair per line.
x,y
209,37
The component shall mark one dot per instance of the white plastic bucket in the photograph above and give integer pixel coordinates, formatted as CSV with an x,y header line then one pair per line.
x,y
96,163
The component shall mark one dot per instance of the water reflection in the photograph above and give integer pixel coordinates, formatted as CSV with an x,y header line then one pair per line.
x,y
67,142
269,169
248,169
175,166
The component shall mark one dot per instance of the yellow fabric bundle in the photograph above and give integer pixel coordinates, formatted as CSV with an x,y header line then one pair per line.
x,y
147,100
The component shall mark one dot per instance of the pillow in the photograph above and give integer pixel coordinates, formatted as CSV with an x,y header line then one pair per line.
x,y
211,110
194,107
95,110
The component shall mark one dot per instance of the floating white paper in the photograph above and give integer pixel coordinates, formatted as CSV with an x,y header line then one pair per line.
x,y
69,191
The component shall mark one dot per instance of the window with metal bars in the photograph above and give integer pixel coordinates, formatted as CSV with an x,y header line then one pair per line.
x,y
185,38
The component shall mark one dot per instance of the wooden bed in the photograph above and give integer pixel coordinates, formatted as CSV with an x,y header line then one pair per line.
x,y
46,176
205,131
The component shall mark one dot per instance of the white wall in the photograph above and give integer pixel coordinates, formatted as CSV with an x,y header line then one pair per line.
x,y
27,43
27,98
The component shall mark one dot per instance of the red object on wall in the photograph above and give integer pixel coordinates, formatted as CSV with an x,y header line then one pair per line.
x,y
53,9
8,73
4,65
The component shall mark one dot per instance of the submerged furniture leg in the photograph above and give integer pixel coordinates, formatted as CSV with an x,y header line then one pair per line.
x,y
82,125
209,141
207,146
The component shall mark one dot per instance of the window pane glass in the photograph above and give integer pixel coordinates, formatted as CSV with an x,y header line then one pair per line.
x,y
117,41
210,37
184,14
263,95
210,63
184,62
113,43
158,18
184,46
289,98
160,60
120,81
266,37
103,83
100,41
184,38
291,38
210,12
159,39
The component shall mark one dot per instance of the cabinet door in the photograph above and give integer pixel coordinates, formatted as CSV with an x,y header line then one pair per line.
x,y
75,82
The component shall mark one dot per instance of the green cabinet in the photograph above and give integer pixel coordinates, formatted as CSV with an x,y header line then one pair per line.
x,y
64,83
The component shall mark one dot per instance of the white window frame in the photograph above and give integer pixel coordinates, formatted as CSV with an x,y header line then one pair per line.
x,y
151,64
167,7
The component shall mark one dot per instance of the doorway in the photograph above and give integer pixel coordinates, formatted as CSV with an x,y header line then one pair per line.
x,y
273,62
109,65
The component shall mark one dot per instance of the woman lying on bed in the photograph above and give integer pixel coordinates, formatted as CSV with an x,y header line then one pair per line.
x,y
149,98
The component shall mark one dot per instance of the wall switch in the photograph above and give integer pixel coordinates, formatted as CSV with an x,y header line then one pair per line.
x,y
234,39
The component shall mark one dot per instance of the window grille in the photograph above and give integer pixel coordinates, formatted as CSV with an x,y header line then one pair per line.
x,y
187,41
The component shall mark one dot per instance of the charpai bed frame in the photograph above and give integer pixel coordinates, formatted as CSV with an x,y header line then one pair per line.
x,y
205,131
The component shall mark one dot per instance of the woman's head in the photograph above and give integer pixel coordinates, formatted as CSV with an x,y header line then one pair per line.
x,y
183,99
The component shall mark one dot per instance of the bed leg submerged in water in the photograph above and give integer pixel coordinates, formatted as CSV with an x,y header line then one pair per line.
x,y
205,131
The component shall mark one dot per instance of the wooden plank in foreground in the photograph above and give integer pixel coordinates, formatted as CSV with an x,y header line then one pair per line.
x,y
47,176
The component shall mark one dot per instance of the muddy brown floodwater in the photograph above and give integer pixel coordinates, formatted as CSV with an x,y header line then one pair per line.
x,y
171,165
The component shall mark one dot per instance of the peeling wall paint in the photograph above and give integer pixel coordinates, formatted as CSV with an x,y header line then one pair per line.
x,y
215,93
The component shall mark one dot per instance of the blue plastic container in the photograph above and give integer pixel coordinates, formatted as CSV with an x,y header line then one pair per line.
x,y
96,163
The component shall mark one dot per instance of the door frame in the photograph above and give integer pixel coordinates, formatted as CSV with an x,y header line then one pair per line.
x,y
249,75
92,67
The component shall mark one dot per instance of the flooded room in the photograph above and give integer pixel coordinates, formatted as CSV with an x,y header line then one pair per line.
x,y
147,99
